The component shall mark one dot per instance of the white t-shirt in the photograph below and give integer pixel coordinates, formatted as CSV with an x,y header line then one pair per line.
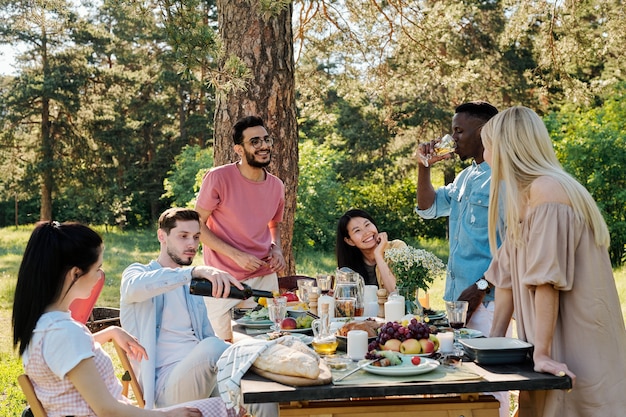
x,y
176,337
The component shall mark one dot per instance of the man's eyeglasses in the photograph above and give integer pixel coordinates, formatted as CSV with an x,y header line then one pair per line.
x,y
257,142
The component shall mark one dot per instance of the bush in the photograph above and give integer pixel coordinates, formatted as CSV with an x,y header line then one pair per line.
x,y
591,145
320,196
185,177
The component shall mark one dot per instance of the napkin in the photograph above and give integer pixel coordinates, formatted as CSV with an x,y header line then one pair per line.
x,y
235,362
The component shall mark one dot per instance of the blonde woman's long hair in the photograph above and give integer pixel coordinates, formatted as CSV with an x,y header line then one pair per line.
x,y
521,151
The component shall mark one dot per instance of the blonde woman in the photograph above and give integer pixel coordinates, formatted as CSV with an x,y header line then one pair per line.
x,y
554,271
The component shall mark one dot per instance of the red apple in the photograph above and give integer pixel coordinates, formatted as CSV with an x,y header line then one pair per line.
x,y
288,323
427,346
290,296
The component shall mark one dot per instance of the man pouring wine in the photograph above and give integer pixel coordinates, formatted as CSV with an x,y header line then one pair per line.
x,y
156,306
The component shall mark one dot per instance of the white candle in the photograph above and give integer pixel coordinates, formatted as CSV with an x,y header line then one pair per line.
x,y
357,344
371,309
446,341
394,310
370,293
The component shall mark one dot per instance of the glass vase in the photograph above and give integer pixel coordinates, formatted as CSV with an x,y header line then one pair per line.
x,y
411,302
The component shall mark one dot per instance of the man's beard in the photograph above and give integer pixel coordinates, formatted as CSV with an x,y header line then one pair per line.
x,y
178,259
253,162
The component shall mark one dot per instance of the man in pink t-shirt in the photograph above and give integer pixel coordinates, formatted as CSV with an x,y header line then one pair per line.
x,y
241,206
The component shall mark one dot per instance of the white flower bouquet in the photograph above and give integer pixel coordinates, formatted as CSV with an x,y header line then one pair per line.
x,y
413,268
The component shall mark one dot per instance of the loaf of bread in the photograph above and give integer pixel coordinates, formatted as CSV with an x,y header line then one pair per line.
x,y
291,358
370,326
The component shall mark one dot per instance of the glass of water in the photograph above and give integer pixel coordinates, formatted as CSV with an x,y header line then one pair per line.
x,y
277,309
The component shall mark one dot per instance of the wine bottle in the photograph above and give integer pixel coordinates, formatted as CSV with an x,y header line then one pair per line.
x,y
204,288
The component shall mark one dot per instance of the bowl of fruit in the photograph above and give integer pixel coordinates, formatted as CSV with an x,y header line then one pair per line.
x,y
408,336
297,324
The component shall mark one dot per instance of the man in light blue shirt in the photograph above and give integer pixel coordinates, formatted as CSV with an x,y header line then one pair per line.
x,y
465,202
173,325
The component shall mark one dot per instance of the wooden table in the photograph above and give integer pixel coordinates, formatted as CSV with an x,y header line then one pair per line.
x,y
445,399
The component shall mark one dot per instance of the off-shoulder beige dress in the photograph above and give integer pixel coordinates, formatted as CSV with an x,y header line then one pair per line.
x,y
559,249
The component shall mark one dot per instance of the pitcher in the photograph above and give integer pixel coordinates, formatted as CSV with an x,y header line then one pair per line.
x,y
349,282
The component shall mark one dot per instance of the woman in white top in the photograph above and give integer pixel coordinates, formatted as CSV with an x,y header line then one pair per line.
x,y
71,374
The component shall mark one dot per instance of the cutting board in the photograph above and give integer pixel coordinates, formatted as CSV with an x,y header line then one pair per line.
x,y
325,377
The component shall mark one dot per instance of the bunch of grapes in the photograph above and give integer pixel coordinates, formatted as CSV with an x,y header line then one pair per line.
x,y
394,330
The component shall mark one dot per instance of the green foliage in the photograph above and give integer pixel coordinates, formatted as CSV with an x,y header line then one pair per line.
x,y
185,176
591,145
12,400
319,197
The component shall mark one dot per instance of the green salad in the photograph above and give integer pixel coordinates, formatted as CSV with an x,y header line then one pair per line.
x,y
258,315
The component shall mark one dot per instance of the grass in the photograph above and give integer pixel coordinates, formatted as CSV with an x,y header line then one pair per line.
x,y
124,248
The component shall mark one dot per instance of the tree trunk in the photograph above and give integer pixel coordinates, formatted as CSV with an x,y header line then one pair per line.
x,y
47,155
264,43
47,180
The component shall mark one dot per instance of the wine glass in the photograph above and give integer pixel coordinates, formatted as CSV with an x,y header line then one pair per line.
x,y
457,314
324,282
277,309
446,145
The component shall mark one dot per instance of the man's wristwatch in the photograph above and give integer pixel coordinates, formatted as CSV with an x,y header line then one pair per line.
x,y
482,284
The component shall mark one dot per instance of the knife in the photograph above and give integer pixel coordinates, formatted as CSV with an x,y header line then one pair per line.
x,y
361,366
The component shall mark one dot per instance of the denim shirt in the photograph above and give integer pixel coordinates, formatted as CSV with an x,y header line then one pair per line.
x,y
465,201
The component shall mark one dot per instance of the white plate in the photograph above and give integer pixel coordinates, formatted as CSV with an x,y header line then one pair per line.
x,y
306,329
470,333
302,337
254,324
406,368
437,316
421,355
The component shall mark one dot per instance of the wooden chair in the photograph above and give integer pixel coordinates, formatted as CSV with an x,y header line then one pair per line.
x,y
129,377
36,408
290,283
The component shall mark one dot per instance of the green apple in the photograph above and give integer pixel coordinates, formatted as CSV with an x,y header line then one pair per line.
x,y
392,344
434,339
411,346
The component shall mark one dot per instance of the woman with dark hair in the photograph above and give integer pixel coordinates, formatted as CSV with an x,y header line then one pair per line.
x,y
71,373
361,247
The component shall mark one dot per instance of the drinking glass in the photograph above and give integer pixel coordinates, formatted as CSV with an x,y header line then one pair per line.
x,y
324,283
304,286
277,309
457,314
446,145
